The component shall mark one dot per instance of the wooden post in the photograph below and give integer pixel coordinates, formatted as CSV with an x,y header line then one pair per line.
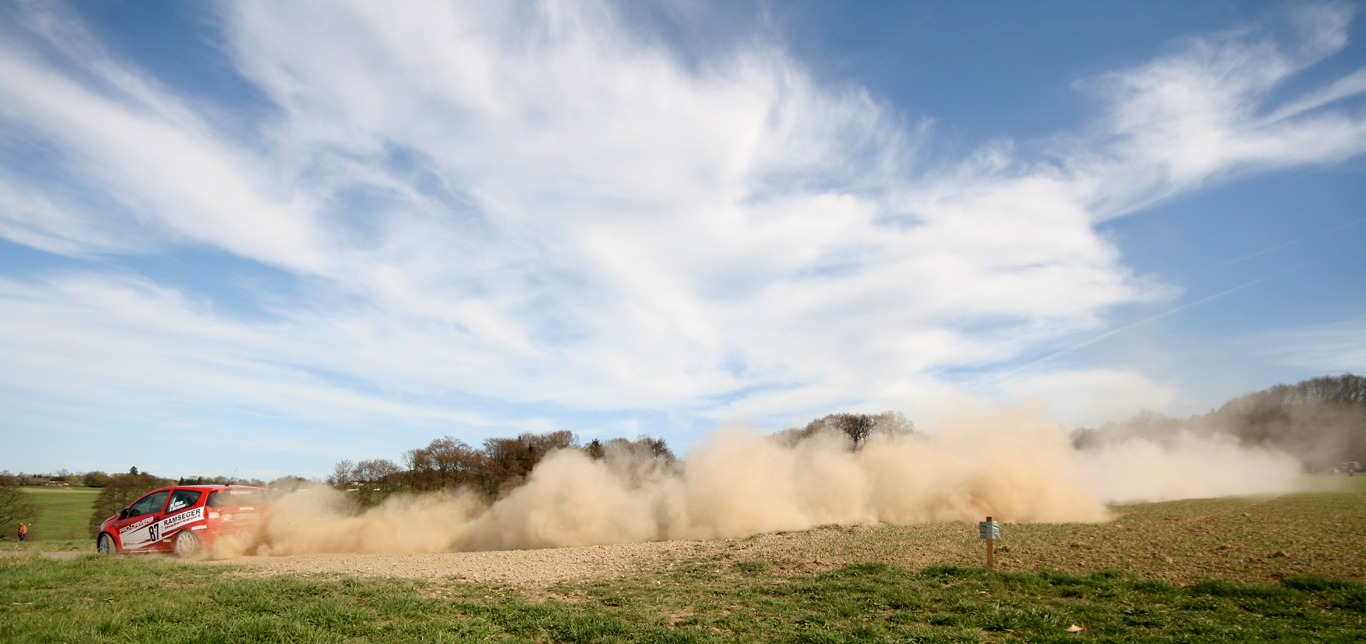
x,y
991,551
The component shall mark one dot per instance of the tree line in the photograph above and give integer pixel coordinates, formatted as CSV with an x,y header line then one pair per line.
x,y
501,464
60,477
99,479
493,469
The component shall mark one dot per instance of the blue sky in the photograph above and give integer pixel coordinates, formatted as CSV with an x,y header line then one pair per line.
x,y
270,235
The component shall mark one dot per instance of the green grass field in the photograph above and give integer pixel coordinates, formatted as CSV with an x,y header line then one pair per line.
x,y
63,516
101,599
1287,568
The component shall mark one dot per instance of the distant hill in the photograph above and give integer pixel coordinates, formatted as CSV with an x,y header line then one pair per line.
x,y
1321,421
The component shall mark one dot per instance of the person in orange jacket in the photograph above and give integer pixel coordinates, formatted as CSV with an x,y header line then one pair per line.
x,y
23,530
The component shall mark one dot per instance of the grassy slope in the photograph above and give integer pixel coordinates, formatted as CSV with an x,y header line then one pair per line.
x,y
62,521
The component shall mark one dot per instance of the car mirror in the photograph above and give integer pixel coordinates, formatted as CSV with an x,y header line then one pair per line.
x,y
123,514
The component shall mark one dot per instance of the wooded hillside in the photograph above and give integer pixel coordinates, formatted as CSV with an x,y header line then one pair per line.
x,y
1321,421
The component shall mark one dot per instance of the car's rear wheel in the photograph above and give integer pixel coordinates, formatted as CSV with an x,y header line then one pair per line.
x,y
105,544
186,544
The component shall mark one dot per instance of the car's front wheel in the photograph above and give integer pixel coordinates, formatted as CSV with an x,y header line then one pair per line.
x,y
105,544
186,544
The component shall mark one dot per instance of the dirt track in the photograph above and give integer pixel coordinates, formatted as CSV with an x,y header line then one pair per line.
x,y
814,550
516,567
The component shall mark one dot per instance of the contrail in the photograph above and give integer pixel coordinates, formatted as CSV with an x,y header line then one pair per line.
x,y
1183,307
1278,247
1087,343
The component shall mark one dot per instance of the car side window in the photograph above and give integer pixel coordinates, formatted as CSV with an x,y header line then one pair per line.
x,y
182,499
149,504
237,497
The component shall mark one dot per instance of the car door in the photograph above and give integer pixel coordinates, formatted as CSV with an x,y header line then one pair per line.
x,y
142,528
183,511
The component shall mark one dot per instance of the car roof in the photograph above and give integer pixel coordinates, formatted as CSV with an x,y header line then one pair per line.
x,y
208,488
218,487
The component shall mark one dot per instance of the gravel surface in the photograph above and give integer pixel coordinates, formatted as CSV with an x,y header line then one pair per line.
x,y
815,550
516,567
49,555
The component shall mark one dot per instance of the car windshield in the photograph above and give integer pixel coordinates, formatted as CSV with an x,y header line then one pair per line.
x,y
236,497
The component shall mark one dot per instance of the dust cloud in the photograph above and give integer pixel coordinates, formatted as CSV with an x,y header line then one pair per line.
x,y
1187,466
1012,463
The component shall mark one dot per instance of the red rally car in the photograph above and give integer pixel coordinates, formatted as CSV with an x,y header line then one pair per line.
x,y
182,519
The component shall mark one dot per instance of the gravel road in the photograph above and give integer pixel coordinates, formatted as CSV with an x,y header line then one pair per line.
x,y
516,567
809,551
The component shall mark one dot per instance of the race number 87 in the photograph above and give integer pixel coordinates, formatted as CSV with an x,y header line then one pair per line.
x,y
154,532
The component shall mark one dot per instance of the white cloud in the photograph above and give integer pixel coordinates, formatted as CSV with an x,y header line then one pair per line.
x,y
1209,112
558,211
116,341
32,219
142,149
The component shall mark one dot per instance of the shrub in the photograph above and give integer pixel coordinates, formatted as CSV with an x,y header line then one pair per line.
x,y
95,479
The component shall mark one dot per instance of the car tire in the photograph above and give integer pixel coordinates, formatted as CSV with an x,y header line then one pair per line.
x,y
105,544
186,544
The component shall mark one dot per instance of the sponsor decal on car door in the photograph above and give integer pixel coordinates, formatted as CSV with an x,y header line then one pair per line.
x,y
174,523
179,517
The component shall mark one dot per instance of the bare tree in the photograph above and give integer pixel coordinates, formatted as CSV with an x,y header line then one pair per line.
x,y
378,478
444,463
643,448
858,428
510,460
342,474
375,470
15,506
892,423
